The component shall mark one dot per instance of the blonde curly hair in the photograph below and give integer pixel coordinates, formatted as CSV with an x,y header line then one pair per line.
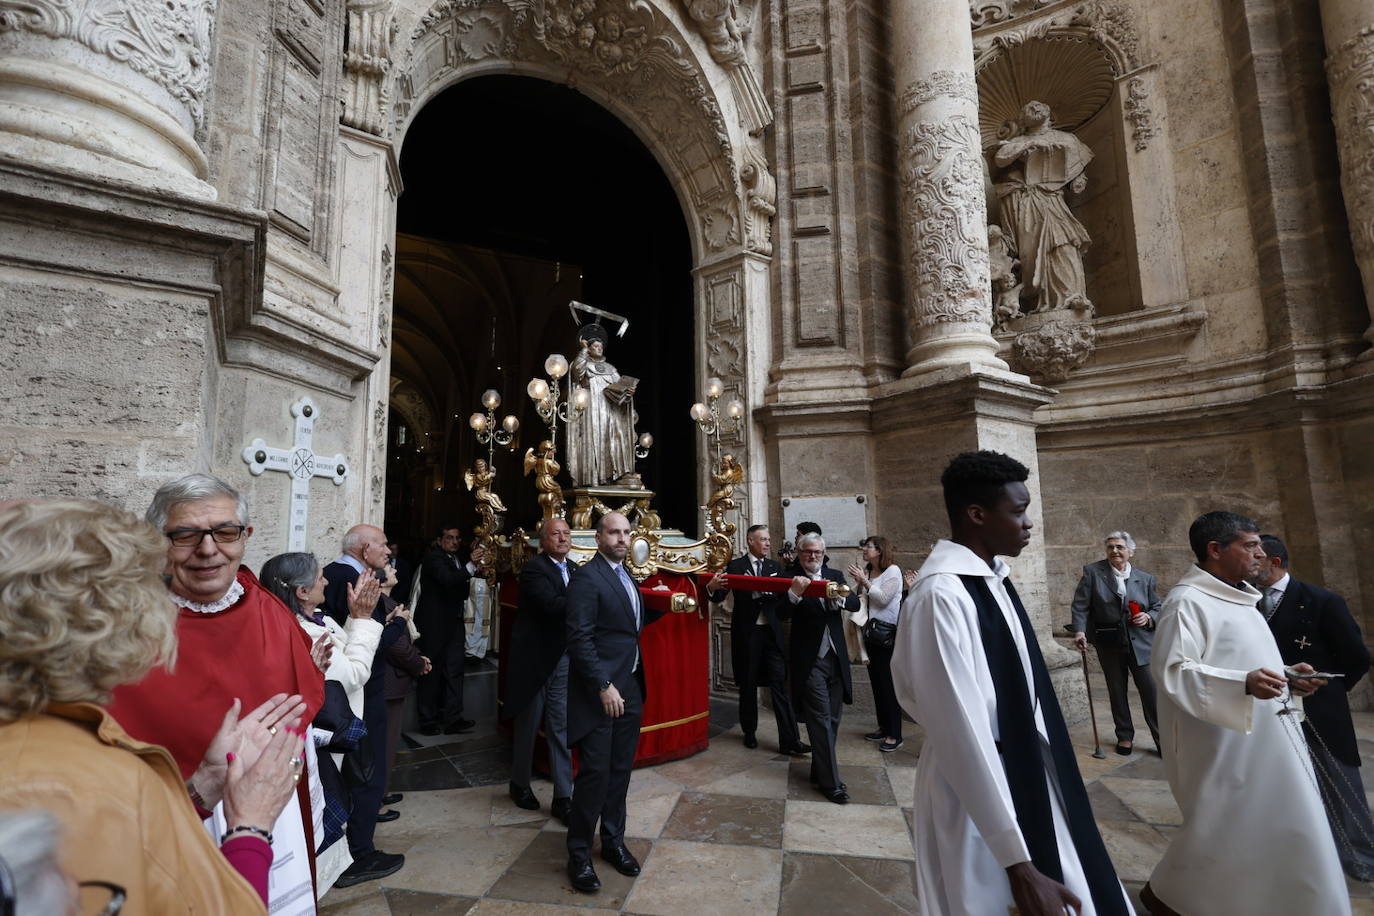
x,y
83,607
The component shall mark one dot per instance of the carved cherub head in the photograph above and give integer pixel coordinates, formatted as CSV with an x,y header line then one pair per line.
x,y
480,465
1034,115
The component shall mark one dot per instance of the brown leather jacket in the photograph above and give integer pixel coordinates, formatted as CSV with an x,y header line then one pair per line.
x,y
124,810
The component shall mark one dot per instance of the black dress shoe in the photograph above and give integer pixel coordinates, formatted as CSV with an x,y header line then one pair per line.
x,y
429,731
459,727
523,797
838,796
392,799
750,741
874,736
583,876
561,809
370,867
1124,749
796,750
387,817
621,860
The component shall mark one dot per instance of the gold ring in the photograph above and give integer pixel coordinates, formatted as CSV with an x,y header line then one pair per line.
x,y
272,730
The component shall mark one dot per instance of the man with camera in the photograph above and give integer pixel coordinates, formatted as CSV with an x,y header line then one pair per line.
x,y
1115,608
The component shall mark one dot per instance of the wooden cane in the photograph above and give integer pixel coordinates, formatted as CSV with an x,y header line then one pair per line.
x,y
1092,714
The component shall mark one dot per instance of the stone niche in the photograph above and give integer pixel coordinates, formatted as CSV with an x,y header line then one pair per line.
x,y
1082,60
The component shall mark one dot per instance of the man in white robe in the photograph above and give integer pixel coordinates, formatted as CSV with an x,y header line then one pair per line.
x,y
1254,838
978,849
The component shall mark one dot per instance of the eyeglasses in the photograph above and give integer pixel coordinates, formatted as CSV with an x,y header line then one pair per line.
x,y
117,895
8,892
812,553
191,537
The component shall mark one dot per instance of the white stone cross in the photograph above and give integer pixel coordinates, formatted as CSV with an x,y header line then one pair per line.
x,y
301,462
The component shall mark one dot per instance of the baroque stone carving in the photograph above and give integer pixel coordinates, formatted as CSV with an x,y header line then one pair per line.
x,y
1054,348
1040,162
1106,22
366,62
989,12
1135,104
626,48
953,83
718,21
167,41
384,299
1350,70
942,192
1006,288
761,199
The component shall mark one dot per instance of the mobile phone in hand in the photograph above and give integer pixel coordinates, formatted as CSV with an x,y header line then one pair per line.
x,y
1298,675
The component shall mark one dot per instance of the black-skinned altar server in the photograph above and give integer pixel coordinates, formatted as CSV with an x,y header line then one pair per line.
x,y
1002,817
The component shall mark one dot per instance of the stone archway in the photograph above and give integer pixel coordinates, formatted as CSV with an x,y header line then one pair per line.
x,y
683,87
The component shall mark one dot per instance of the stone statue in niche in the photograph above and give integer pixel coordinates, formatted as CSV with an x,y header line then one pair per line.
x,y
601,440
1039,162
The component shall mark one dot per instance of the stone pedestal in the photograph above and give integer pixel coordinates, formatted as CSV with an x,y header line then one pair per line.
x,y
117,92
1348,26
919,424
943,208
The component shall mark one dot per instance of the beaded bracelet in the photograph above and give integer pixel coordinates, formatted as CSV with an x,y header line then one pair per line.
x,y
246,829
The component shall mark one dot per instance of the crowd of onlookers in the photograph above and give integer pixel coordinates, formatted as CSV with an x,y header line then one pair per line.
x,y
223,751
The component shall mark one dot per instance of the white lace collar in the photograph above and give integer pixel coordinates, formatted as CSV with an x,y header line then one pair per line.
x,y
214,607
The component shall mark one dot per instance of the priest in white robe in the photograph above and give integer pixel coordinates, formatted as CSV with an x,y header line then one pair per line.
x,y
1254,838
1002,818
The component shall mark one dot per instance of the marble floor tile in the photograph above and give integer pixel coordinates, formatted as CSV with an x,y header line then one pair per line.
x,y
1149,799
505,813
903,782
1141,766
653,781
1106,805
874,831
372,904
867,785
492,907
435,814
540,875
813,883
1135,848
645,816
427,775
466,863
419,903
702,769
767,780
707,879
706,818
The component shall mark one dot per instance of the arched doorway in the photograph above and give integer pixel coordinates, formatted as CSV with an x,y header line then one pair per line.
x,y
520,195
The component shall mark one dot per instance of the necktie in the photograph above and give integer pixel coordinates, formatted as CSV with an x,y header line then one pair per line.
x,y
630,592
1269,601
563,571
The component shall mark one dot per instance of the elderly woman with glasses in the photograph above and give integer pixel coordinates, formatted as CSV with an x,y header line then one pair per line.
x,y
236,643
83,610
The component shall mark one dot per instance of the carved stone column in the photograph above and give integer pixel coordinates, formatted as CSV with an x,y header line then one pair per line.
x,y
1348,26
943,208
115,90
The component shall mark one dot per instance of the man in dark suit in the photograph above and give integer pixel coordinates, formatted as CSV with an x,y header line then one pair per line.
x,y
820,663
444,583
1115,607
756,644
1313,625
537,678
364,554
605,699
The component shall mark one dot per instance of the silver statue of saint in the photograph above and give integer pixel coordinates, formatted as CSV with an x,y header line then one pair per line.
x,y
601,439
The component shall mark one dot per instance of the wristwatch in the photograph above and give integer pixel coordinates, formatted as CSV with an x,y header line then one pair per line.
x,y
605,686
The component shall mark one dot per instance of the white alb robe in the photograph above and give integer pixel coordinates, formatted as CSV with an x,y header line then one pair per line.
x,y
966,834
1254,838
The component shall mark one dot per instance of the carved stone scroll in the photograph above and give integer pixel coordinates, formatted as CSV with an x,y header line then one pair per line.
x,y
718,22
366,62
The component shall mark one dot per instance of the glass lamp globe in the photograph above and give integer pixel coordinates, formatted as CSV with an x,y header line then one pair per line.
x,y
699,411
556,366
491,399
581,398
511,423
735,408
646,440
478,421
714,387
538,389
